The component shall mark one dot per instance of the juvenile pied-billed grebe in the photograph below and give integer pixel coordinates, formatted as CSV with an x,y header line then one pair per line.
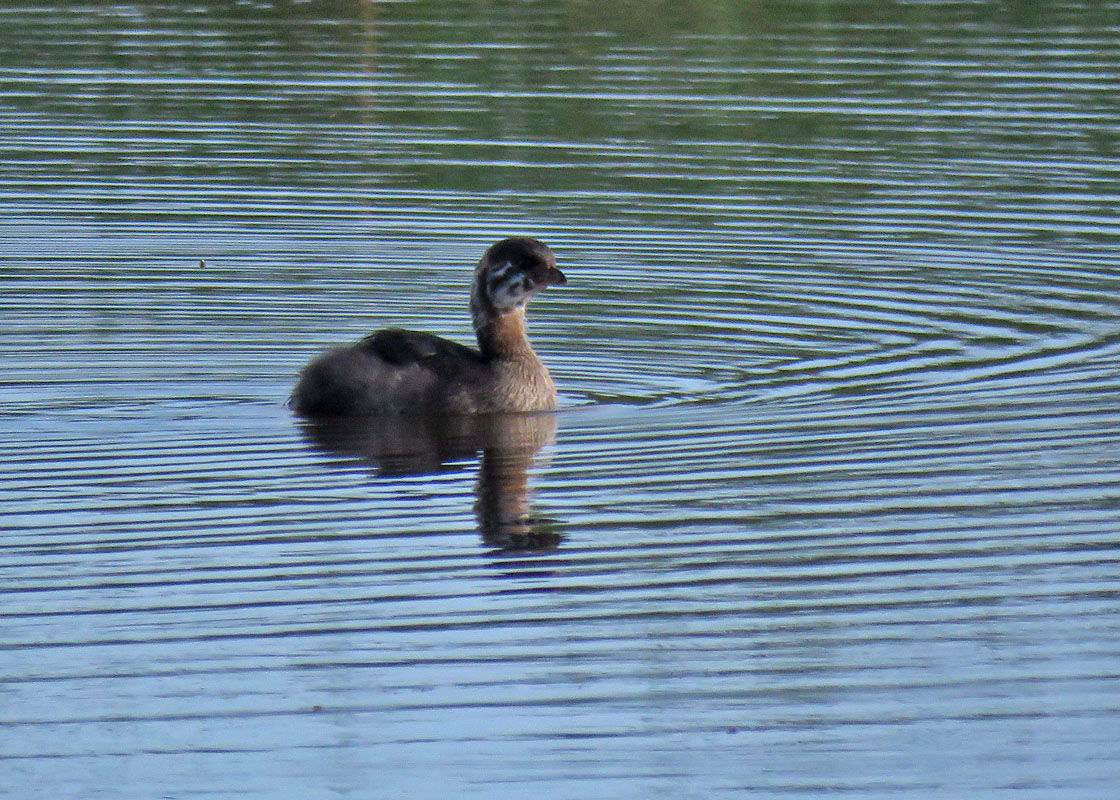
x,y
404,372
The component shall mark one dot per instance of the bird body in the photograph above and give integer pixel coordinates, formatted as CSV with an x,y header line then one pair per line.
x,y
396,371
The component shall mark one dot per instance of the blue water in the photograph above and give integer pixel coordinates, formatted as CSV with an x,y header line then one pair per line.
x,y
831,506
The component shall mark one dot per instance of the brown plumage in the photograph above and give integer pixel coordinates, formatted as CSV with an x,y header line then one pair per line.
x,y
402,372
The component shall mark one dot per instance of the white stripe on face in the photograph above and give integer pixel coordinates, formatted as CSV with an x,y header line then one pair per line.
x,y
509,287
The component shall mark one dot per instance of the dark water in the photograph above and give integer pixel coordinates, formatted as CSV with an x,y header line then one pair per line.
x,y
833,504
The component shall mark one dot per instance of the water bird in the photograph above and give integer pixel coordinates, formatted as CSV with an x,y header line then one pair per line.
x,y
397,371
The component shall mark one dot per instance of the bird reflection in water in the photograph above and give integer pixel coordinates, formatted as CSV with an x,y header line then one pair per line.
x,y
506,445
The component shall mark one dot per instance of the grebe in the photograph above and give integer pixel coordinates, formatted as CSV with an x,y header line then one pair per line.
x,y
404,372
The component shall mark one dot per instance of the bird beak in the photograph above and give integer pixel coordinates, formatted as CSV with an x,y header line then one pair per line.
x,y
555,277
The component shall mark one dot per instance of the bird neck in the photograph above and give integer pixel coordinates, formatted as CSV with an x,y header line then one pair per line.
x,y
504,336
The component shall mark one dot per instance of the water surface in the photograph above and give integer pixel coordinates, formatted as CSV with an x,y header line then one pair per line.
x,y
833,499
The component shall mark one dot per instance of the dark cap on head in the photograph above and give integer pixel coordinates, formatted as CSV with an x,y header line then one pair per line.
x,y
531,256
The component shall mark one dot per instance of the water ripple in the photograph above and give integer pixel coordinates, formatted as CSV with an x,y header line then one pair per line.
x,y
835,471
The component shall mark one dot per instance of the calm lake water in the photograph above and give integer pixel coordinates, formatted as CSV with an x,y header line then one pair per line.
x,y
833,503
